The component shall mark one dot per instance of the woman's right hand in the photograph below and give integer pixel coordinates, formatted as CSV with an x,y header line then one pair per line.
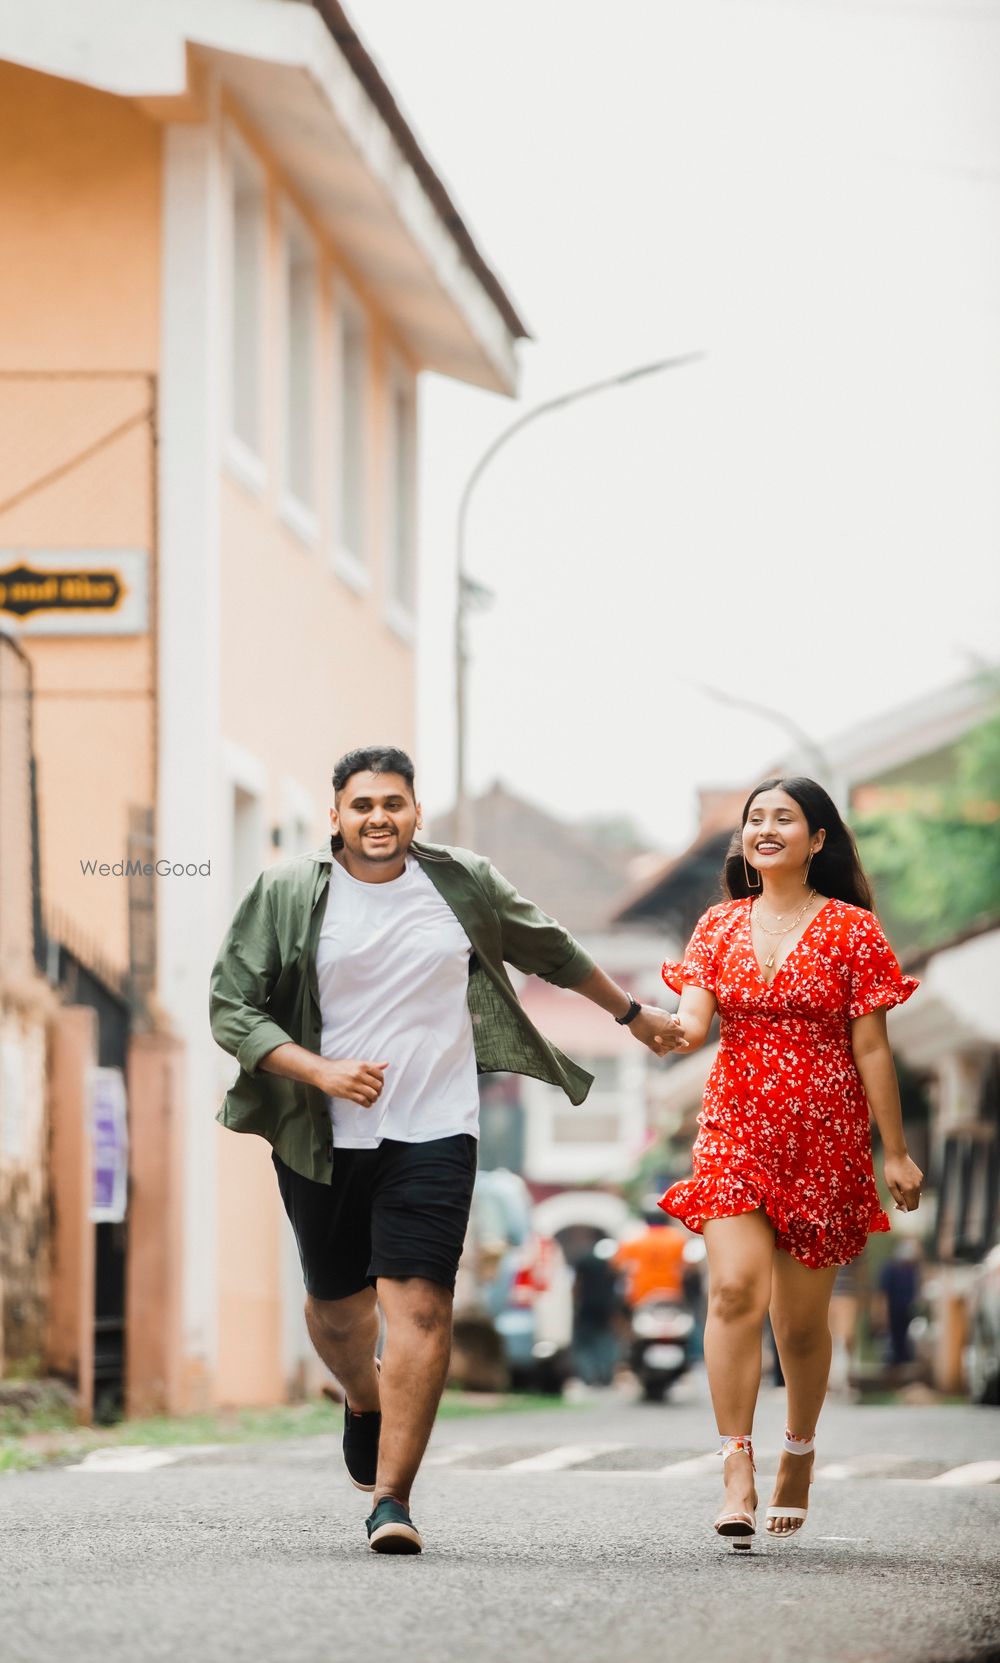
x,y
903,1179
358,1082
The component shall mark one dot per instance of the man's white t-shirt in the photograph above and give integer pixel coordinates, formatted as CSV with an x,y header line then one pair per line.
x,y
393,971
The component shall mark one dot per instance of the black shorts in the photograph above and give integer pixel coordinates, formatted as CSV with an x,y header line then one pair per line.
x,y
399,1210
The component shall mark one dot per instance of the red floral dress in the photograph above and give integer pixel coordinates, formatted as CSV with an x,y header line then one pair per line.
x,y
785,1120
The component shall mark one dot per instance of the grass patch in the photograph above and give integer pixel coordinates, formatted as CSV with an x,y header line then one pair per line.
x,y
48,1434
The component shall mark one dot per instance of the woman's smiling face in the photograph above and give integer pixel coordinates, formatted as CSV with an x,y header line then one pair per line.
x,y
776,835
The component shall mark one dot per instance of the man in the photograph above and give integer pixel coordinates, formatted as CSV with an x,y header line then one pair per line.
x,y
362,988
652,1262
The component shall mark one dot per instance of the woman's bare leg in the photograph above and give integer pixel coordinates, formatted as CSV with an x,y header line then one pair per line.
x,y
740,1255
800,1317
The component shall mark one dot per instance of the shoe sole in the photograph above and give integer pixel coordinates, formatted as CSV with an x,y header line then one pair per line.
x,y
395,1538
741,1540
740,1533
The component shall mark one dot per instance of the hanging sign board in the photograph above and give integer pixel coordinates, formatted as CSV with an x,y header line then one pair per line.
x,y
74,591
109,1145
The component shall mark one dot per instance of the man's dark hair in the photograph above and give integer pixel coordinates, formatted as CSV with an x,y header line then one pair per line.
x,y
373,759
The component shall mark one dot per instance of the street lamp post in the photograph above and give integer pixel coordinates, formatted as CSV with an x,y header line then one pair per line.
x,y
470,594
808,746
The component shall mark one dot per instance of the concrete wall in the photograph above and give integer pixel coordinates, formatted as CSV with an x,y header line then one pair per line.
x,y
79,191
24,1182
260,665
156,1382
73,1050
79,292
310,666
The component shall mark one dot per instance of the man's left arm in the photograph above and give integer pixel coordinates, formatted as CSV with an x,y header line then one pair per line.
x,y
538,945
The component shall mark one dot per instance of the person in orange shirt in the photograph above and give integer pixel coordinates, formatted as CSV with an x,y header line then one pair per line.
x,y
652,1263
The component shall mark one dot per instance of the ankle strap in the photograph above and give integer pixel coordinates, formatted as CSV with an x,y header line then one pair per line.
x,y
736,1446
799,1446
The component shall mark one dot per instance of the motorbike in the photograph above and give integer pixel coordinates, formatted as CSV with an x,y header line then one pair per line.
x,y
659,1343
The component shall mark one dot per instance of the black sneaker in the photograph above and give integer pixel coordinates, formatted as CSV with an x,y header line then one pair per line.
x,y
390,1528
361,1435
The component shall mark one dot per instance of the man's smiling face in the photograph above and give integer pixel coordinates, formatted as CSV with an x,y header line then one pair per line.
x,y
376,815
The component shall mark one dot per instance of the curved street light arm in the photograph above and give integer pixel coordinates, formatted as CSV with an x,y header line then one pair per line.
x,y
808,745
462,598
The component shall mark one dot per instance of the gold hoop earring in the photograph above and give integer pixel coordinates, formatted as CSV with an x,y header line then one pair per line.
x,y
746,870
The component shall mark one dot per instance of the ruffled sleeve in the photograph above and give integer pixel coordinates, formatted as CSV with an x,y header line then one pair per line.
x,y
876,978
698,968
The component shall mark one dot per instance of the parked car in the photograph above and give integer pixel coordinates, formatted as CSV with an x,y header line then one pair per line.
x,y
518,1279
983,1352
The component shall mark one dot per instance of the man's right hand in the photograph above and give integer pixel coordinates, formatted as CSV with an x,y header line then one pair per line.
x,y
360,1082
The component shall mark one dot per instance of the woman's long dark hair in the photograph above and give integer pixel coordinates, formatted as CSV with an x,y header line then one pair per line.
x,y
836,871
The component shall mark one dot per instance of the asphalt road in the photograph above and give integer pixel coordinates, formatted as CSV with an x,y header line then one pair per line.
x,y
579,1534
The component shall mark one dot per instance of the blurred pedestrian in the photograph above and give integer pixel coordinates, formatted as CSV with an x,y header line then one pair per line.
x,y
344,988
694,1284
652,1262
899,1284
797,966
597,1309
844,1308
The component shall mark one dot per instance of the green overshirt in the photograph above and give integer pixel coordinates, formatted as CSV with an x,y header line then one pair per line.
x,y
264,991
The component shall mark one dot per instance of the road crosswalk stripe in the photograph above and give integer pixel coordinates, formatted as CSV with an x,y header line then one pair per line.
x,y
135,1459
858,1466
563,1455
696,1463
575,1458
974,1472
593,1460
445,1457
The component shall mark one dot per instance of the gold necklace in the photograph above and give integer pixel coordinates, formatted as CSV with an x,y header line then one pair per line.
x,y
784,928
769,961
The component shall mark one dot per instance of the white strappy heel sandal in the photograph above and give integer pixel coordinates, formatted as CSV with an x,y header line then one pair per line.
x,y
740,1528
793,1446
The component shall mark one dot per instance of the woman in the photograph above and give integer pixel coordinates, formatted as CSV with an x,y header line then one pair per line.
x,y
783,1188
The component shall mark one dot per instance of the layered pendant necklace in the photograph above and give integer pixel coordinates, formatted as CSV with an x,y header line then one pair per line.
x,y
778,936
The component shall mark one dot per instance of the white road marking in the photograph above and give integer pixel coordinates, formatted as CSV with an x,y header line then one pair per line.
x,y
974,1472
135,1459
564,1455
139,1458
445,1457
712,1462
860,1466
697,1463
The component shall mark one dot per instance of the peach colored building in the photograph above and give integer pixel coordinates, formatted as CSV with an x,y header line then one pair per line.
x,y
226,263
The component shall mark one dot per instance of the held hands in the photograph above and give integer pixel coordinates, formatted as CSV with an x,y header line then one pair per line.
x,y
658,1031
359,1082
903,1178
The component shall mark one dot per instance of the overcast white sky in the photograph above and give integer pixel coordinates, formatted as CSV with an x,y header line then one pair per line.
x,y
808,191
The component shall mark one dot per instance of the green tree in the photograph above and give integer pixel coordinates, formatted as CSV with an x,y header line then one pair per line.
x,y
936,862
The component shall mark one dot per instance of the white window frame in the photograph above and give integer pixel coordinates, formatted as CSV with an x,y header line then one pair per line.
x,y
400,614
299,515
298,808
350,564
246,461
247,773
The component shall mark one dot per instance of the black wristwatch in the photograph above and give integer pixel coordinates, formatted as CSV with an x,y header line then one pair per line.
x,y
631,1014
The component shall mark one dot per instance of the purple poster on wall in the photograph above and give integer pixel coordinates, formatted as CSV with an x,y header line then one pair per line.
x,y
109,1145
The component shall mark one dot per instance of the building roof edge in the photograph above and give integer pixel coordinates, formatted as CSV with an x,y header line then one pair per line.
x,y
368,73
